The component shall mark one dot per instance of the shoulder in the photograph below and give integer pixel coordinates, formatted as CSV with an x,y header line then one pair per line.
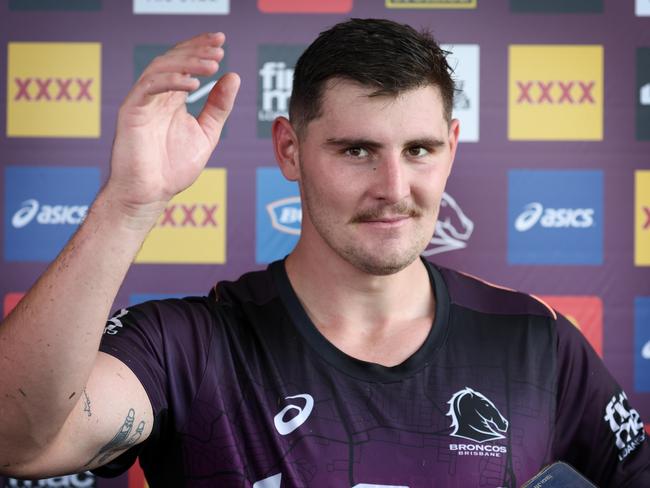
x,y
160,314
479,295
255,287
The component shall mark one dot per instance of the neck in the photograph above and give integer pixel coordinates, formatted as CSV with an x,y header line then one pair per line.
x,y
360,313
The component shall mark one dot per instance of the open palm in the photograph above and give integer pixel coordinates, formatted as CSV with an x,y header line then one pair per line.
x,y
159,148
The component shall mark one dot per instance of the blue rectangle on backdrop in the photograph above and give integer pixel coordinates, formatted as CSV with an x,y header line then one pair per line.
x,y
642,343
43,208
555,217
278,215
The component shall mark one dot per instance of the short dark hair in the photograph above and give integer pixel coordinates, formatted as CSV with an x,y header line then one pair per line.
x,y
380,54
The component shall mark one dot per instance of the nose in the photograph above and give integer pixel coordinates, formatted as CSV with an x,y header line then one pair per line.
x,y
390,179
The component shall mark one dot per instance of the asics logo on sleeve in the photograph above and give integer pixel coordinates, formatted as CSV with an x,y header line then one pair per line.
x,y
287,427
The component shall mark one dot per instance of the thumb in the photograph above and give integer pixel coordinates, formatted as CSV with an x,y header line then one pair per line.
x,y
218,106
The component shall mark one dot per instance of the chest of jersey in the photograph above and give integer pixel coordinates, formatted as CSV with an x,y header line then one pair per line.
x,y
284,416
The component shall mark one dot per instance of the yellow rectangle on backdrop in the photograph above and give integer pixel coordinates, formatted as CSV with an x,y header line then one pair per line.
x,y
53,89
642,218
555,92
192,229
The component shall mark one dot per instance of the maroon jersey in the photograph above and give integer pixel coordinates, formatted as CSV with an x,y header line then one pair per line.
x,y
247,393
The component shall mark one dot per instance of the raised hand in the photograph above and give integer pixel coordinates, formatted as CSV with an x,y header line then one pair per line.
x,y
159,148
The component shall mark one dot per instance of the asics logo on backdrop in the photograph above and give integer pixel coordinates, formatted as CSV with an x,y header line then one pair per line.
x,y
578,218
48,214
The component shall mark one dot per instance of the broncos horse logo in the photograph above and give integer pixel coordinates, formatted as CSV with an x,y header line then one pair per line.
x,y
475,417
453,228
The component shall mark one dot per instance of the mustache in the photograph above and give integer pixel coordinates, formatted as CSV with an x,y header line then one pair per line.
x,y
401,209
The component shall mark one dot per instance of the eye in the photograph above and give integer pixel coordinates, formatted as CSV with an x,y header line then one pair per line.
x,y
356,152
417,151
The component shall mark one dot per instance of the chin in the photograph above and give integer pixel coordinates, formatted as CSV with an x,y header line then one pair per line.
x,y
383,265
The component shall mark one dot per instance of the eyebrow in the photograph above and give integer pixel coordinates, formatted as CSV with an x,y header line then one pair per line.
x,y
370,144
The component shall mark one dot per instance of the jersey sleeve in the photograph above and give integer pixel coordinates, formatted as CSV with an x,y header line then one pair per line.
x,y
596,431
165,343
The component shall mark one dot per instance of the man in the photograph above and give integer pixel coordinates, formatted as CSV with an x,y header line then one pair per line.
x,y
352,362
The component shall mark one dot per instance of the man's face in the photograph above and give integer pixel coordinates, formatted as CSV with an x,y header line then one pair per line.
x,y
372,171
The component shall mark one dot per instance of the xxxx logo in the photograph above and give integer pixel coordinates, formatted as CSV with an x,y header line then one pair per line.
x,y
555,92
189,215
642,218
538,92
53,89
192,229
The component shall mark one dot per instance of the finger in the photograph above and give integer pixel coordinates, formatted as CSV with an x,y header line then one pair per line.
x,y
215,39
203,52
182,65
218,106
155,84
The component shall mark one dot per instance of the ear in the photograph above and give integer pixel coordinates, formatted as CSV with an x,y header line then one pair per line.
x,y
454,131
286,147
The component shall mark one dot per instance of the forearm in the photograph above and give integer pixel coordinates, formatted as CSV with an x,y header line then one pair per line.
x,y
49,343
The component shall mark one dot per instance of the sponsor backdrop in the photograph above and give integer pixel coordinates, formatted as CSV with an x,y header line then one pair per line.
x,y
550,192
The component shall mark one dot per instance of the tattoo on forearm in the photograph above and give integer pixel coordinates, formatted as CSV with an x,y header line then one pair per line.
x,y
122,440
86,402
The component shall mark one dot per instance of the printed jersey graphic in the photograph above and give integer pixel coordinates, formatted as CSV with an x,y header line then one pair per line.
x,y
285,427
625,424
114,323
474,417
